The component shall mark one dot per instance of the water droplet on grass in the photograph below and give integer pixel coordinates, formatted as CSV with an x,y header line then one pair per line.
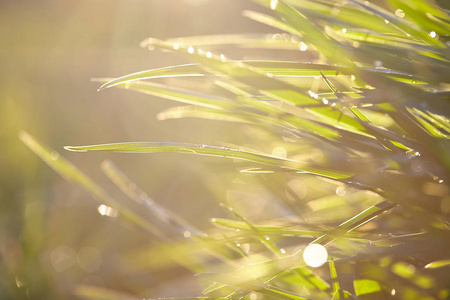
x,y
54,155
315,255
107,211
302,46
191,50
400,13
273,4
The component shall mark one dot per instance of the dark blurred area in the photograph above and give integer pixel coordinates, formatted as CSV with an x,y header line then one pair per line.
x,y
51,235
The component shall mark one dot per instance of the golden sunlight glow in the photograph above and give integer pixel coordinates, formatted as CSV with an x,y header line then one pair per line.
x,y
315,255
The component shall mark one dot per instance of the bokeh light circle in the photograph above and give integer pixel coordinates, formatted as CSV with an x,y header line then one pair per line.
x,y
315,255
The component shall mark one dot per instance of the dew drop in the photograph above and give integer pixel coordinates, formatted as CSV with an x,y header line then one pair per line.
x,y
433,34
325,101
400,13
273,4
341,190
54,155
302,46
386,21
315,255
191,50
344,30
209,54
176,46
187,234
107,211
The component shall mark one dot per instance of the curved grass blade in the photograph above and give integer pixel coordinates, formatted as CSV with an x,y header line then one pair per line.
x,y
152,147
178,94
187,70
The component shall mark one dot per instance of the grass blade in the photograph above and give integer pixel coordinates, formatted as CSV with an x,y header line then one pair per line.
x,y
259,158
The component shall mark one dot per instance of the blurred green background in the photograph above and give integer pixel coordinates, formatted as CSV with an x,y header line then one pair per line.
x,y
51,235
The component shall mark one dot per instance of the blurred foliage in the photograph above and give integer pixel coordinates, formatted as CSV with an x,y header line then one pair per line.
x,y
341,117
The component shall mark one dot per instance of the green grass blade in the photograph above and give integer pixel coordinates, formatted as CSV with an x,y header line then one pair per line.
x,y
308,30
367,287
355,222
212,151
264,229
438,264
178,94
189,70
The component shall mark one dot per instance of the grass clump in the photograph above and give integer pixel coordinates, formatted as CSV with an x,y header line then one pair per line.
x,y
353,153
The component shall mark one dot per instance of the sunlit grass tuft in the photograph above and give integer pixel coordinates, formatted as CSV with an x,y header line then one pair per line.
x,y
353,155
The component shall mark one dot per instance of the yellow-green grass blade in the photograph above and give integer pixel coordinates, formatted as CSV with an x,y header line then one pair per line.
x,y
178,94
401,24
425,14
344,15
152,147
187,70
308,29
438,264
365,287
351,224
